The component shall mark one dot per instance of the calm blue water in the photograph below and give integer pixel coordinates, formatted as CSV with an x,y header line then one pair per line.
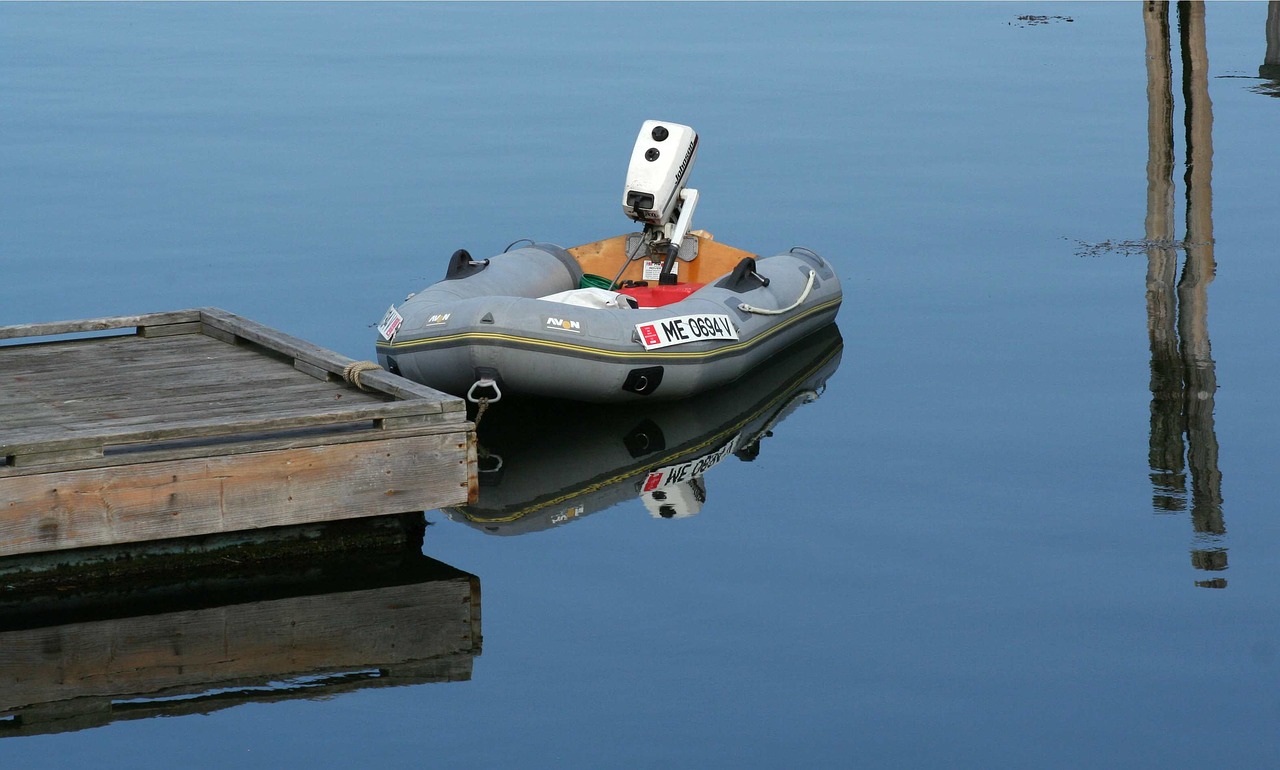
x,y
950,559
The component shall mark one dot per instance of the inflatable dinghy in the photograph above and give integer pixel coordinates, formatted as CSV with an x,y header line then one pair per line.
x,y
682,313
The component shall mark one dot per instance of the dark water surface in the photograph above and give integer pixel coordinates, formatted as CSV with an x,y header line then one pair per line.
x,y
1025,524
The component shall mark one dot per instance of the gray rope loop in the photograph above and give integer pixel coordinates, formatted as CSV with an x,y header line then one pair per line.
x,y
808,287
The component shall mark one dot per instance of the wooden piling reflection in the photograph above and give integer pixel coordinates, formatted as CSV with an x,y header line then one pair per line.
x,y
1193,298
1166,451
1183,377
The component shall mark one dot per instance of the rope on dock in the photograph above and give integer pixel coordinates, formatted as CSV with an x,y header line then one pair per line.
x,y
351,372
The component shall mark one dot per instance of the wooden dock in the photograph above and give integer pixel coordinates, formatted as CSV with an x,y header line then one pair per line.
x,y
199,421
315,623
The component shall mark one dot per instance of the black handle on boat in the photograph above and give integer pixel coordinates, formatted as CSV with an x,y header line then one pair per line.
x,y
744,273
462,265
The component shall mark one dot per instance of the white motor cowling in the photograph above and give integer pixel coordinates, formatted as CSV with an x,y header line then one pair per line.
x,y
659,169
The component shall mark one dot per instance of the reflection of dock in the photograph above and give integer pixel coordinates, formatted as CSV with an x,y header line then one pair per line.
x,y
331,623
199,421
1183,377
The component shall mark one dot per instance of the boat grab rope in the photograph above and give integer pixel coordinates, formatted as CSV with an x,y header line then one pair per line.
x,y
808,287
351,372
482,402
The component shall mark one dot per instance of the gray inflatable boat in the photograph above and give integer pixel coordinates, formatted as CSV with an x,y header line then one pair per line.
x,y
505,324
683,313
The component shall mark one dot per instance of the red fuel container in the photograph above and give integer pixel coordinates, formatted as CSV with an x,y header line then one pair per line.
x,y
655,295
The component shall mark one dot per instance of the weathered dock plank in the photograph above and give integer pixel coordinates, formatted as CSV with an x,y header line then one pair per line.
x,y
52,328
139,430
320,358
127,436
112,408
203,495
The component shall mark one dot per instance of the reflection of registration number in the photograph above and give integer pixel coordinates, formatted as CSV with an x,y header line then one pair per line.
x,y
674,474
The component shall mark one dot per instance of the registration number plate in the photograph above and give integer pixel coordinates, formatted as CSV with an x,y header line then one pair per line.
x,y
684,329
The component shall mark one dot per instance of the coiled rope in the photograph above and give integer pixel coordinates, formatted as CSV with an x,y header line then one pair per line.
x,y
351,372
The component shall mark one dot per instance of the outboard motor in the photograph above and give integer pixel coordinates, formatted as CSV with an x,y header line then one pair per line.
x,y
655,193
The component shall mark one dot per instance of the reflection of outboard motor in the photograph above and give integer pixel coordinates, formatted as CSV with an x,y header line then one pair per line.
x,y
678,501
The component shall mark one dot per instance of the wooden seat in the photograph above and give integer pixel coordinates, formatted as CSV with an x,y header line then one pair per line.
x,y
604,257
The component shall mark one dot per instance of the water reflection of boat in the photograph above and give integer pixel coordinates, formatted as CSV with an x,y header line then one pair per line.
x,y
85,658
551,462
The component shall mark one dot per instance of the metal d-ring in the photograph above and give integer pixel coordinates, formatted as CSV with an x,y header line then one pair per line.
x,y
484,382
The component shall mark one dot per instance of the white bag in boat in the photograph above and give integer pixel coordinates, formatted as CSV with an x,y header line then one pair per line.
x,y
592,297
